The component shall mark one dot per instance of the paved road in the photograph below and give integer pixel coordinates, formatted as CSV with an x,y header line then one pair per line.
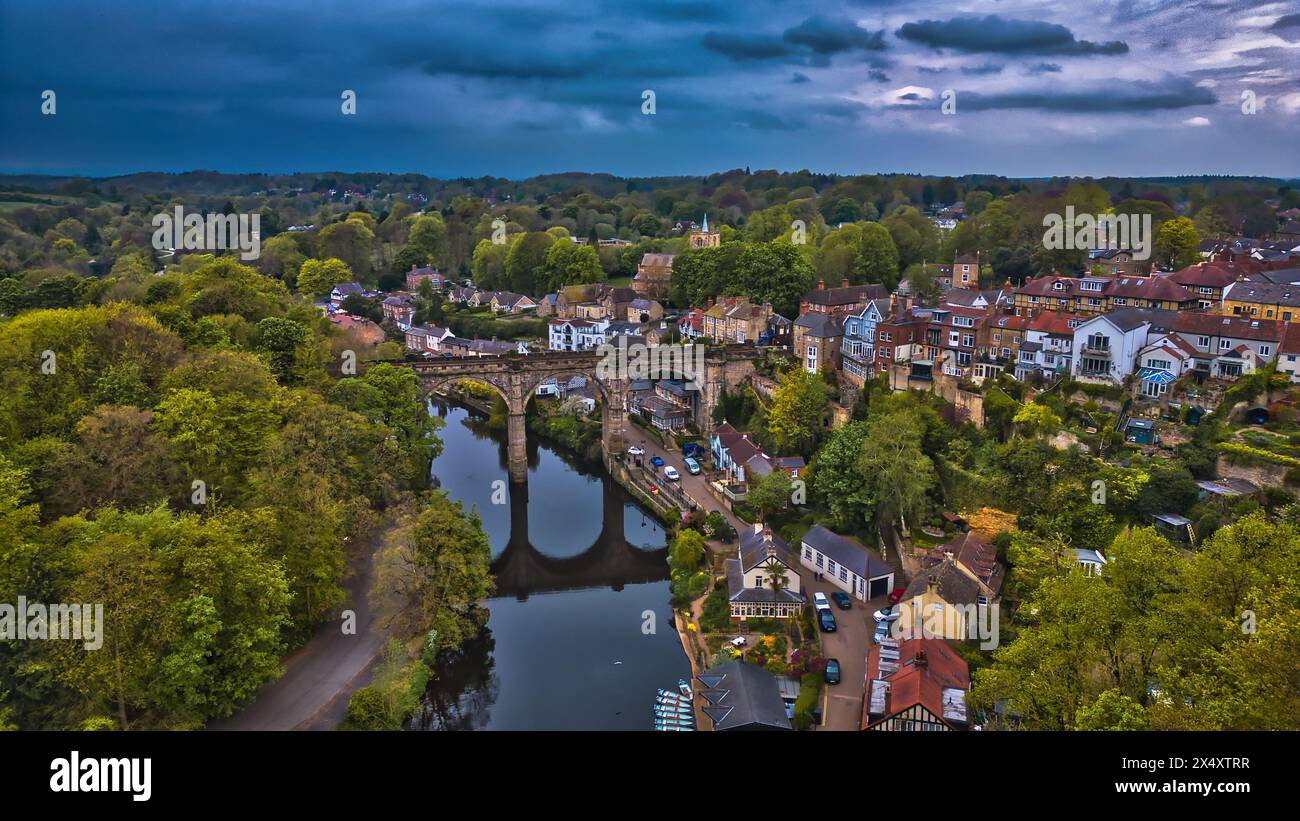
x,y
696,486
320,677
842,703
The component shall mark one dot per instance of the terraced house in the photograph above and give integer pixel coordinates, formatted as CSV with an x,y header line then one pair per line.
x,y
858,343
1101,294
736,319
1207,280
1265,300
817,340
842,301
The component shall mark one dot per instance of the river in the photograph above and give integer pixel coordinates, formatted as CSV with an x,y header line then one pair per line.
x,y
580,633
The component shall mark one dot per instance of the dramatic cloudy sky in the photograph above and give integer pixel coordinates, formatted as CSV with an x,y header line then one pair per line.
x,y
520,87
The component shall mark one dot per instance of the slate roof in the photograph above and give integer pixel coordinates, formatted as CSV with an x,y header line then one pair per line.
x,y
833,297
857,559
819,325
1270,293
743,697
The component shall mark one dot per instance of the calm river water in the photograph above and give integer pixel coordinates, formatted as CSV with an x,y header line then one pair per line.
x,y
580,569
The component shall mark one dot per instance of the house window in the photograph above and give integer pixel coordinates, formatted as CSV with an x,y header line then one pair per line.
x,y
830,566
844,576
1225,344
807,552
1202,342
1265,350
819,559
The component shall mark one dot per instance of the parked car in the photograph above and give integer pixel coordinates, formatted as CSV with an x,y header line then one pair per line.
x,y
738,641
692,450
657,461
819,601
692,466
897,596
885,614
671,474
842,600
832,671
826,620
635,451
882,632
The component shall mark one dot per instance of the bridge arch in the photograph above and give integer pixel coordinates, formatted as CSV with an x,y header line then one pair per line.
x,y
516,377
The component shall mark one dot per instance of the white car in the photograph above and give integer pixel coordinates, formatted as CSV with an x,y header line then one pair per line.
x,y
738,641
885,615
671,474
819,601
635,451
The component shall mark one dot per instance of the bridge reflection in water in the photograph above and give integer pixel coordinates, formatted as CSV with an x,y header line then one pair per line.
x,y
578,566
610,561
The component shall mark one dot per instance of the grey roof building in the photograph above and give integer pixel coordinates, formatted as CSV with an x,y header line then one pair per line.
x,y
742,696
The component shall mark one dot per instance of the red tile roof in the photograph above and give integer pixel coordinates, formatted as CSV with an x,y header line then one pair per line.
x,y
1055,322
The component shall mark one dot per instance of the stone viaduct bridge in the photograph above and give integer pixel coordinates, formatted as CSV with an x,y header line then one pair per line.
x,y
516,377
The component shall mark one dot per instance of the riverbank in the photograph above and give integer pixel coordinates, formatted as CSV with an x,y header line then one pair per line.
x,y
320,676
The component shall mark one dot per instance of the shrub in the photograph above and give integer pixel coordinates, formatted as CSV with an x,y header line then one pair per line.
x,y
368,709
810,687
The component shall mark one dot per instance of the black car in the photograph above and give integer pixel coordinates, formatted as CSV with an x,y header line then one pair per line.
x,y
832,671
826,620
842,600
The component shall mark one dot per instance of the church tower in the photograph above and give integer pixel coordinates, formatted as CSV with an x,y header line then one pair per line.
x,y
702,237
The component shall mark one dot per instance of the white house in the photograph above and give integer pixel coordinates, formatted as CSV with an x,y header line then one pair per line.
x,y
577,334
763,580
427,338
1106,346
1161,362
853,569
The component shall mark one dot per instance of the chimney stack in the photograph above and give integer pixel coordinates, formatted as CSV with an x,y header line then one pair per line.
x,y
821,285
844,283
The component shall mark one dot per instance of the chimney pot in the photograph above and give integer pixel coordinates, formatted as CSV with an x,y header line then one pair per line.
x,y
821,285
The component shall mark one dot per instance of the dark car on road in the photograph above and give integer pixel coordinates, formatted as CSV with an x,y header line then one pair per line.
x,y
693,450
657,461
832,671
842,600
826,620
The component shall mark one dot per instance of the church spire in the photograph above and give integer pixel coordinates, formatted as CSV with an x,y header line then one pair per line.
x,y
705,229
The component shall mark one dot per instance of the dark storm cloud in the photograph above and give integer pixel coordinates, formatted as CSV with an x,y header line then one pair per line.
x,y
986,68
825,35
1129,98
1286,21
999,35
741,47
517,87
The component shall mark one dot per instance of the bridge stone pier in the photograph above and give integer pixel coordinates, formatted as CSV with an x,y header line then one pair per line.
x,y
516,377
